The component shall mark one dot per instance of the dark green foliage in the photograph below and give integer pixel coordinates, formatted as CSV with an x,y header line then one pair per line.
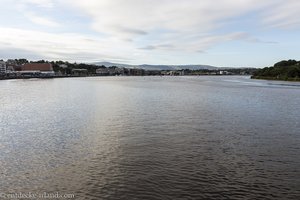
x,y
39,61
246,71
283,70
286,63
21,61
90,68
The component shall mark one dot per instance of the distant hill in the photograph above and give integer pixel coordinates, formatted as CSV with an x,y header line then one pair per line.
x,y
158,67
288,70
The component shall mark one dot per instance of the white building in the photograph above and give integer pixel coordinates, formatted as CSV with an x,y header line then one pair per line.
x,y
64,66
11,62
2,67
9,69
102,71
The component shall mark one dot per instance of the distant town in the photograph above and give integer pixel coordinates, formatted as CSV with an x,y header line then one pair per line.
x,y
22,68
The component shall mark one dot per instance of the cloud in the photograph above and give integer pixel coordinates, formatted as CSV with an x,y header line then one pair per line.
x,y
174,15
142,29
151,15
201,44
61,46
206,42
159,46
256,40
188,25
38,3
283,14
43,21
131,31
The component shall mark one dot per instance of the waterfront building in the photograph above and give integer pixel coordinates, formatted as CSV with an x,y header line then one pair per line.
x,y
181,72
136,72
224,73
2,67
115,71
153,72
64,66
80,72
42,69
13,67
120,71
9,69
102,71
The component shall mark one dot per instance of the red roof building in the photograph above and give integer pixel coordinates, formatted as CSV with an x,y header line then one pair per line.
x,y
43,67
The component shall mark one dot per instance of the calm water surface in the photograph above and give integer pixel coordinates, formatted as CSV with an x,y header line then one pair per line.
x,y
151,137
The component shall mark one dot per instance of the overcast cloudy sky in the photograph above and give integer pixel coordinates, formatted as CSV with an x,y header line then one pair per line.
x,y
236,33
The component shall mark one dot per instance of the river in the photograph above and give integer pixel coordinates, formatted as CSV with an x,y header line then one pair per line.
x,y
190,137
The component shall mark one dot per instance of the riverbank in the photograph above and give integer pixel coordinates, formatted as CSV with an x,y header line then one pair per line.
x,y
40,77
276,78
72,76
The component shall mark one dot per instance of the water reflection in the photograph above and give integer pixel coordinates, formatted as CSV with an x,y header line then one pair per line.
x,y
151,137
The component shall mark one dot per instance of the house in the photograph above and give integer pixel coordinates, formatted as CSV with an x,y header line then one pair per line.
x,y
10,69
181,72
153,72
119,71
64,66
43,69
115,71
11,62
224,73
102,71
136,72
13,66
80,72
2,67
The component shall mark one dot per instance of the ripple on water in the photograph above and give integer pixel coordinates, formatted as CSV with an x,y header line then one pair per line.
x,y
151,138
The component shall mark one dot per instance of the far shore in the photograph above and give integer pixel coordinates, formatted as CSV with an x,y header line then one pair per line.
x,y
39,77
73,76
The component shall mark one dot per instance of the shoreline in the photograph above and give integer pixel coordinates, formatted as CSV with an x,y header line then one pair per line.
x,y
53,77
275,79
39,77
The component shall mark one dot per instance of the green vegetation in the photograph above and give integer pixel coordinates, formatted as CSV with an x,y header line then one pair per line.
x,y
287,70
91,69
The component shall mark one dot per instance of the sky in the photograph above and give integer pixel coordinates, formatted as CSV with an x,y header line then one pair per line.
x,y
223,33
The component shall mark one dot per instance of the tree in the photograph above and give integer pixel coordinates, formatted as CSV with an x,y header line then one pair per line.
x,y
286,63
21,61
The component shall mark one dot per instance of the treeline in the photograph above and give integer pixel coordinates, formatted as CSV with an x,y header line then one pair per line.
x,y
288,70
91,69
241,71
